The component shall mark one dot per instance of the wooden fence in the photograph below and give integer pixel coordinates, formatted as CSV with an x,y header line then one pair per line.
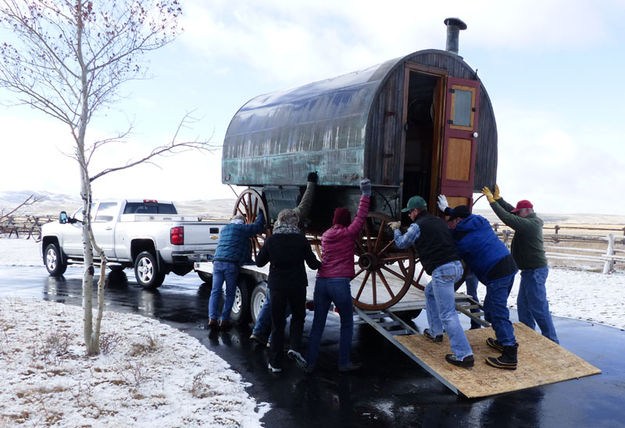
x,y
24,226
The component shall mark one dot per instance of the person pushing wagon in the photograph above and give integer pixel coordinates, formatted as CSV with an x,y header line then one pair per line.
x,y
439,257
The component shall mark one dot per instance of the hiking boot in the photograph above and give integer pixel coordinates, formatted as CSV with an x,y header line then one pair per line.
x,y
297,357
466,362
273,369
494,343
438,338
507,360
258,339
351,367
225,325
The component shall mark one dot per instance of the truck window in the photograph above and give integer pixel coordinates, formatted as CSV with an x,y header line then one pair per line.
x,y
149,208
106,212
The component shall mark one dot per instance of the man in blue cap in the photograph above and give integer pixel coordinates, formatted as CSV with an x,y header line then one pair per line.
x,y
437,253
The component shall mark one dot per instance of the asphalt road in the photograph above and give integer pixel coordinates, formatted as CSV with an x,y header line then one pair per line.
x,y
391,390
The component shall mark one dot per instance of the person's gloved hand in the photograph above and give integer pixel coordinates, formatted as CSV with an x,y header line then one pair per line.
x,y
442,203
394,225
496,194
312,177
365,186
489,195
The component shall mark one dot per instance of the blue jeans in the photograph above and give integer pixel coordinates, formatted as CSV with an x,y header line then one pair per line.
x,y
328,290
471,282
532,304
496,309
440,305
228,272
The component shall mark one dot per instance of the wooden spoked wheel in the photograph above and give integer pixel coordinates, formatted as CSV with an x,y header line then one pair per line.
x,y
384,273
249,204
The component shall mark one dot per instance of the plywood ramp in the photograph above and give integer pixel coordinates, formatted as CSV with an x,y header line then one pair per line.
x,y
540,362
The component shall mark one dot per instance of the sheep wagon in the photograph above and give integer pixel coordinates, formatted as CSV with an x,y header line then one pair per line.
x,y
422,124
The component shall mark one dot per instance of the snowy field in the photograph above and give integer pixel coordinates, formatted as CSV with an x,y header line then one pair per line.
x,y
153,375
148,375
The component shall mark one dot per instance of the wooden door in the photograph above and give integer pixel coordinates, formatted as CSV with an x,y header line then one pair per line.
x,y
460,140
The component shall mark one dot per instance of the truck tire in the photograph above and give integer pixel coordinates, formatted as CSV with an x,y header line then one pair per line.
x,y
259,295
240,312
53,259
206,277
147,272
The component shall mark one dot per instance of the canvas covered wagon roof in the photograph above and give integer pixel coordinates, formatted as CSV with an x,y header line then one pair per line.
x,y
334,126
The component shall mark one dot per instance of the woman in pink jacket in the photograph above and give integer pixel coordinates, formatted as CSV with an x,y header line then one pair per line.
x,y
332,285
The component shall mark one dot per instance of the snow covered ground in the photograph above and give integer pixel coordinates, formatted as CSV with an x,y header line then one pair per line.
x,y
153,375
148,375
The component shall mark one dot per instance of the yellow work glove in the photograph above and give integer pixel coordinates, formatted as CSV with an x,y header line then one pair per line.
x,y
394,225
496,194
489,195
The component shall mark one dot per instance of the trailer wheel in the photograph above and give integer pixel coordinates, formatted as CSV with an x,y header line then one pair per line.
x,y
147,272
206,277
240,312
259,296
248,204
384,273
53,260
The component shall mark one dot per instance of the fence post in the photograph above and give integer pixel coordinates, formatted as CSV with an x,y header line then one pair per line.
x,y
608,266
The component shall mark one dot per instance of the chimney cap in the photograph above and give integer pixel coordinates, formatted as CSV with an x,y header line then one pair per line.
x,y
457,22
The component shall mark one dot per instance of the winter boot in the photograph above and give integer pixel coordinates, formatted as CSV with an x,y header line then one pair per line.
x,y
508,359
495,344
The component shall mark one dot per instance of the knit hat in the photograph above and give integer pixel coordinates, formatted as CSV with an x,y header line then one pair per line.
x,y
522,204
461,211
342,216
287,217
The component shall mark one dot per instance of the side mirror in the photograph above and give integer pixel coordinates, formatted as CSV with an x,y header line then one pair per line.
x,y
63,217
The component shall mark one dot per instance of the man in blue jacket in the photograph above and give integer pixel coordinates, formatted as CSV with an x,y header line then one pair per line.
x,y
232,251
492,263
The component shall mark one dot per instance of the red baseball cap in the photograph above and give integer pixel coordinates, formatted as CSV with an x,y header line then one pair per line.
x,y
522,204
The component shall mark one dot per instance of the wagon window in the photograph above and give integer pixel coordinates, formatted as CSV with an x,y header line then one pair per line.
x,y
462,107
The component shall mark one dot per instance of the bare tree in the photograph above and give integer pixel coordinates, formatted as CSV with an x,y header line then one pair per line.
x,y
30,200
68,59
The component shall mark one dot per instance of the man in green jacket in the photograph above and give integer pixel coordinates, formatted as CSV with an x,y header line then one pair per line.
x,y
529,254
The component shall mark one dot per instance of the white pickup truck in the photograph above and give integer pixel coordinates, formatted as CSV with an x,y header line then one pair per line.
x,y
145,234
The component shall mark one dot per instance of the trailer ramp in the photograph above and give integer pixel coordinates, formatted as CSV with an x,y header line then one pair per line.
x,y
541,361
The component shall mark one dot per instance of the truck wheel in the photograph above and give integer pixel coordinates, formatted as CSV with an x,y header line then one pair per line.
x,y
205,277
259,295
53,259
146,271
241,307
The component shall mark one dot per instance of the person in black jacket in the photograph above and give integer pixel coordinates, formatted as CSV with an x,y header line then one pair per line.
x,y
437,253
287,249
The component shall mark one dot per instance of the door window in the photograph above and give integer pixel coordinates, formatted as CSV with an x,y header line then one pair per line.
x,y
106,212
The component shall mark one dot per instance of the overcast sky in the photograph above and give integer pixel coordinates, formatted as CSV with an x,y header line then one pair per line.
x,y
552,68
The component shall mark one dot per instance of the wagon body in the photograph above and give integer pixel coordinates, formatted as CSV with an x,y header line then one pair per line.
x,y
421,124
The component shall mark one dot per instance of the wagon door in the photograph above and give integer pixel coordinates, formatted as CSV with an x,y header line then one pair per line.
x,y
460,140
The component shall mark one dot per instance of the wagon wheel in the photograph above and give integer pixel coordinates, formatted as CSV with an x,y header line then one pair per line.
x,y
384,273
248,204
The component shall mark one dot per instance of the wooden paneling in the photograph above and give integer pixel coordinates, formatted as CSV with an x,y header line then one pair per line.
x,y
459,159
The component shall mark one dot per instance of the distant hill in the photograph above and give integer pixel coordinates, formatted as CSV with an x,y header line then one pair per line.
x,y
53,203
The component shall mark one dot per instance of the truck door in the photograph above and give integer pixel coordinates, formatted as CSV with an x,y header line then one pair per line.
x,y
460,140
103,226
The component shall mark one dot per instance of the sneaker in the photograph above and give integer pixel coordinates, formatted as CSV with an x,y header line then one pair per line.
x,y
297,357
273,369
467,362
258,339
351,367
494,343
438,338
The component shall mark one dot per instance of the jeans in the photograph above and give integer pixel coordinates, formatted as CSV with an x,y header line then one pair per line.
x,y
532,304
471,282
263,321
496,309
228,272
440,305
328,290
295,297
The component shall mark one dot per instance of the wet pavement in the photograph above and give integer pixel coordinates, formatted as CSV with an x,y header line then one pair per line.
x,y
391,390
